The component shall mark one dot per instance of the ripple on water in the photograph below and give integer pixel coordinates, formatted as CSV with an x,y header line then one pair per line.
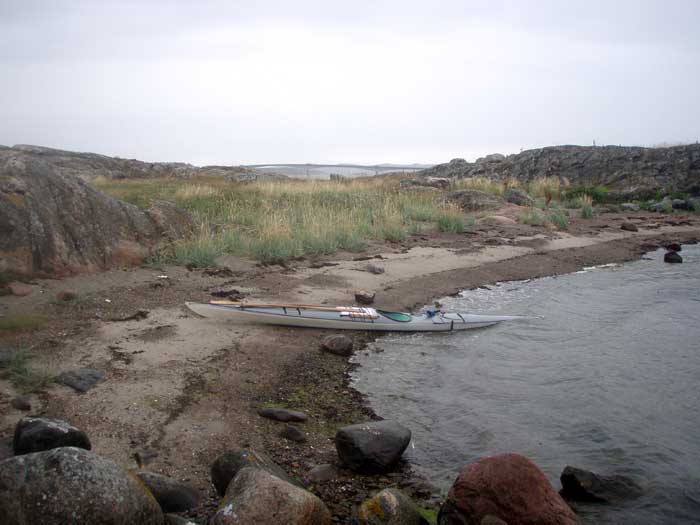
x,y
604,377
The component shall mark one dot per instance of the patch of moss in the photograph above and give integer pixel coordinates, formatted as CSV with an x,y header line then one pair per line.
x,y
430,515
16,323
17,200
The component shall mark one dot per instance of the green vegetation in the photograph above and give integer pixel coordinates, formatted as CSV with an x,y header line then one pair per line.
x,y
532,217
17,323
586,205
555,216
429,515
597,193
25,378
559,218
277,221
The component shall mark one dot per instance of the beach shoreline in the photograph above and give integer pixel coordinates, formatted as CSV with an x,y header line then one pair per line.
x,y
184,389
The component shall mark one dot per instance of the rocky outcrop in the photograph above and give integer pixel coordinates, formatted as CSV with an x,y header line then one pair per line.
x,y
37,434
508,487
628,171
256,496
474,200
56,224
90,165
583,485
71,485
373,447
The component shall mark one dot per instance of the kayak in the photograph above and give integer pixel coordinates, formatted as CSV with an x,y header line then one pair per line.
x,y
344,317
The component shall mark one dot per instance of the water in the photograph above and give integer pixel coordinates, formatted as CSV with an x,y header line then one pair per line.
x,y
608,379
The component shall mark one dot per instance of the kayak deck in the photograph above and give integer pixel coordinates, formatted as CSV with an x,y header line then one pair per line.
x,y
344,317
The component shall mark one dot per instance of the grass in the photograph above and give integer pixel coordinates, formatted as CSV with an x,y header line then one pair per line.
x,y
25,378
532,217
555,216
586,205
18,323
559,218
277,221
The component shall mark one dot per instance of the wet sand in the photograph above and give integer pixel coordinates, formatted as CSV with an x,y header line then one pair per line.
x,y
182,389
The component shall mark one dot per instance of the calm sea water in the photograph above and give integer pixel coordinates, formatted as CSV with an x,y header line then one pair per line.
x,y
606,377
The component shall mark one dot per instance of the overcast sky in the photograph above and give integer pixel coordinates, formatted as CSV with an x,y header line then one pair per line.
x,y
304,81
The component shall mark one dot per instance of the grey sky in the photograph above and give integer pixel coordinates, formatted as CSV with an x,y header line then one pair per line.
x,y
318,81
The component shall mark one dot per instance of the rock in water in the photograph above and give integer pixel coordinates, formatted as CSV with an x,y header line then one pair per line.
x,y
37,434
58,224
337,344
373,447
230,462
171,495
583,485
256,496
674,247
673,257
509,487
390,507
81,380
72,485
282,414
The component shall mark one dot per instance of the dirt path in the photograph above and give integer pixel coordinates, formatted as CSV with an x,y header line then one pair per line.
x,y
181,389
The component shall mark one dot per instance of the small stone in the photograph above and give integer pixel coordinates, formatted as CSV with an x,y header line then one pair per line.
x,y
228,464
21,403
282,414
292,433
337,344
363,297
66,296
319,473
389,507
629,206
373,269
629,226
673,257
19,289
174,519
673,247
81,380
171,495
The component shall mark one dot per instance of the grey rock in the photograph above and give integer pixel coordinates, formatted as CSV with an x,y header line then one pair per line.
x,y
629,172
72,485
228,464
292,433
518,196
52,223
6,449
174,519
282,414
673,247
629,226
583,485
256,496
474,200
19,289
21,403
390,507
171,495
679,204
337,344
373,269
320,473
363,297
373,447
37,434
81,380
629,206
673,257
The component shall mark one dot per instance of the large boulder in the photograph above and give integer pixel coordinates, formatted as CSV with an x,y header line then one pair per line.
x,y
583,485
55,224
228,464
337,344
390,507
373,447
72,485
256,496
474,200
171,495
509,487
37,434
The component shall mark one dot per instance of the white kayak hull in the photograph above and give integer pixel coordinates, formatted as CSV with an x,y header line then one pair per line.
x,y
340,320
